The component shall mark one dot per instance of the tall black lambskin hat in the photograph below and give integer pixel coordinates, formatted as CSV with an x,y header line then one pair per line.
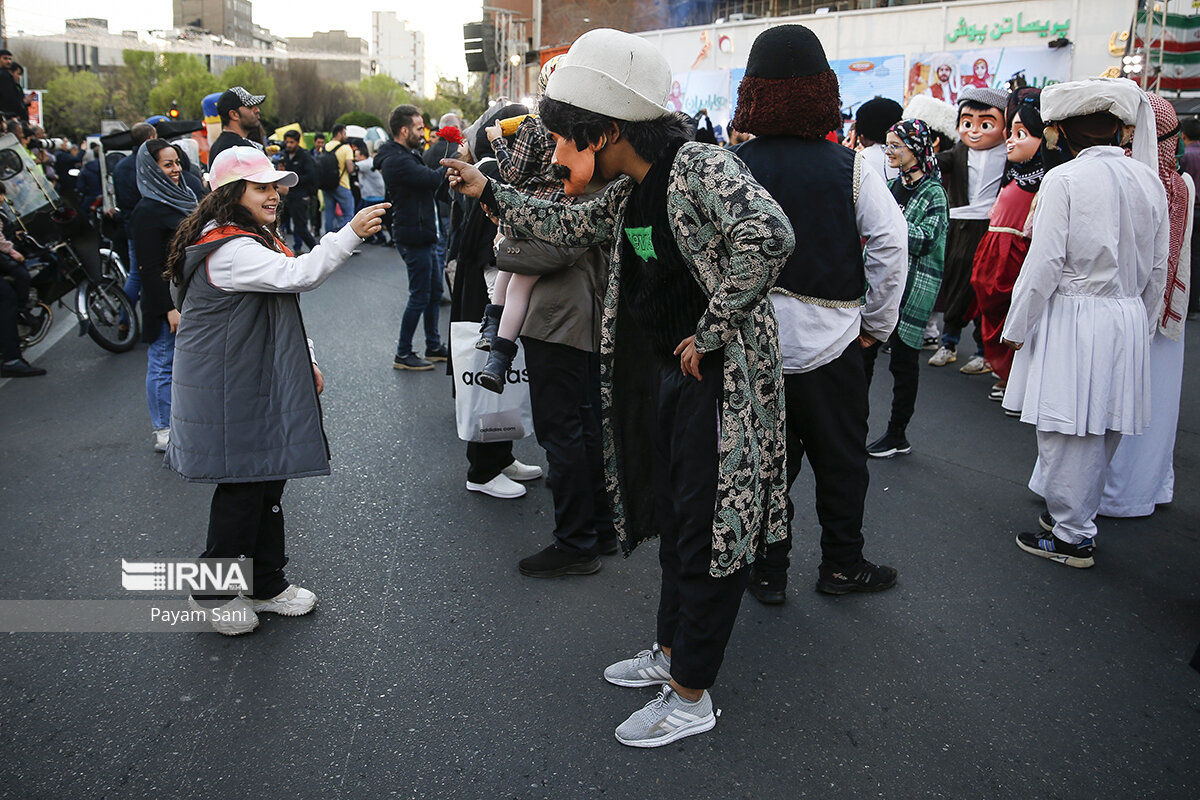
x,y
788,89
786,51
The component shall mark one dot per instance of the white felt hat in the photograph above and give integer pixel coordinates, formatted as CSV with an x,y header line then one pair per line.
x,y
942,117
613,73
1120,97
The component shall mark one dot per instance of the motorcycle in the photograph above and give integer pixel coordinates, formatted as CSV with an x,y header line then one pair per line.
x,y
63,253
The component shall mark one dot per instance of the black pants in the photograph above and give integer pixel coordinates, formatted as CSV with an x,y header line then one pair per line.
x,y
696,611
904,364
10,340
827,421
486,460
561,381
246,520
297,211
16,273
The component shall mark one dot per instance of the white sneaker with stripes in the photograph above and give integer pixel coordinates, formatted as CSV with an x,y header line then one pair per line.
x,y
666,719
648,668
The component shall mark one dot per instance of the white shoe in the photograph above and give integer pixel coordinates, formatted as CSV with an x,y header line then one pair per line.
x,y
500,486
232,619
522,472
291,602
942,357
162,437
976,366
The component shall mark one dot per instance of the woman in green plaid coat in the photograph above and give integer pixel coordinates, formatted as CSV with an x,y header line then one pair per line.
x,y
919,192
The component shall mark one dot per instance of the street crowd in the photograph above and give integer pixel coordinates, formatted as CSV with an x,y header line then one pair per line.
x,y
691,314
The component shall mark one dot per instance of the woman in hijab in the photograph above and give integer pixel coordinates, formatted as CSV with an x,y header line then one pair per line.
x,y
166,200
1141,473
918,189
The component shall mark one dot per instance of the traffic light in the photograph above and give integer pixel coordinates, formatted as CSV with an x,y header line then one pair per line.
x,y
174,112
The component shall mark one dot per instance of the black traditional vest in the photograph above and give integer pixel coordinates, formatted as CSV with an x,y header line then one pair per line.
x,y
814,183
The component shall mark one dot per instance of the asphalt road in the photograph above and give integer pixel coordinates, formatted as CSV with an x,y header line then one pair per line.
x,y
431,668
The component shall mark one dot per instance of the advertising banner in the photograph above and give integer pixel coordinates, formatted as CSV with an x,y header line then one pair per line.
x,y
860,79
944,75
708,88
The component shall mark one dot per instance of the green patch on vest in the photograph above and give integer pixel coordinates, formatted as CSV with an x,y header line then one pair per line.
x,y
643,243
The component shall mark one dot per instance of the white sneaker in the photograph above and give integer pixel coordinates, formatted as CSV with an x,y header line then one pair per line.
x,y
291,602
942,357
500,486
522,472
232,619
162,437
976,366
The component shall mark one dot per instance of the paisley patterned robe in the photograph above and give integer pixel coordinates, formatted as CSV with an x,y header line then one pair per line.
x,y
735,239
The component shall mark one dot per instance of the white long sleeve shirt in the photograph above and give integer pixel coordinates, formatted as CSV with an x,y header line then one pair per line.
x,y
811,336
1100,230
244,265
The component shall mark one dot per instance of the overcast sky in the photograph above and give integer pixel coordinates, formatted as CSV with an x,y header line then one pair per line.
x,y
440,20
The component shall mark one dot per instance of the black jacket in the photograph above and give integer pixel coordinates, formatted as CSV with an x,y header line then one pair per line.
x,y
411,187
125,186
152,227
301,162
226,140
12,97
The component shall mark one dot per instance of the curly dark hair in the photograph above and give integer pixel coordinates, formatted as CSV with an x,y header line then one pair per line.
x,y
222,206
649,139
807,106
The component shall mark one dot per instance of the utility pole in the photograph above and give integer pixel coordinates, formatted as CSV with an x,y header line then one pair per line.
x,y
3,29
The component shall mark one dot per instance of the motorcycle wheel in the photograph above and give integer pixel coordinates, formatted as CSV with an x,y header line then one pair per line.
x,y
107,305
32,334
112,267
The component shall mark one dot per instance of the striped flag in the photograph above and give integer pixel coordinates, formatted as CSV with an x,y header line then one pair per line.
x,y
1180,44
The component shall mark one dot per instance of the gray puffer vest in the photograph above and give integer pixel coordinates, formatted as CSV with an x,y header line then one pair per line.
x,y
244,403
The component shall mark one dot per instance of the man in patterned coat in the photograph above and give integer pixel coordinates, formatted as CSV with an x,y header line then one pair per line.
x,y
690,370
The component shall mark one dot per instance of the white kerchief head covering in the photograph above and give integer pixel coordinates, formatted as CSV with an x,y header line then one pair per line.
x,y
613,73
1120,97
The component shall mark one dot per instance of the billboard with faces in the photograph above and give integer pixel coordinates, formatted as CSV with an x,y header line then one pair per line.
x,y
943,75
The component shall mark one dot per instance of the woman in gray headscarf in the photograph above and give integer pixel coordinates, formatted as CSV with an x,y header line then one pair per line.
x,y
166,200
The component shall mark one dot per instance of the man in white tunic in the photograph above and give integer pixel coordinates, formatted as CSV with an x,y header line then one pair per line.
x,y
1086,303
1142,473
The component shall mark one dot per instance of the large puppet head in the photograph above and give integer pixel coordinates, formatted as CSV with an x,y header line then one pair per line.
x,y
1025,125
789,88
610,85
981,117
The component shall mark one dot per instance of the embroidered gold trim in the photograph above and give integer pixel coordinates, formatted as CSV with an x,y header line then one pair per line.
x,y
820,301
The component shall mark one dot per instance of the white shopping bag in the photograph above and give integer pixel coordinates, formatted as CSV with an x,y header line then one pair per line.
x,y
481,414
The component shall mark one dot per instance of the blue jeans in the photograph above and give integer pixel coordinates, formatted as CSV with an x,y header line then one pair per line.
x,y
424,295
133,284
160,361
342,197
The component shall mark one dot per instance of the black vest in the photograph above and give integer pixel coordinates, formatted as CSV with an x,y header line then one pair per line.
x,y
813,181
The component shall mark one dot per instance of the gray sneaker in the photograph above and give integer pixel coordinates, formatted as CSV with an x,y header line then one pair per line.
x,y
666,718
648,668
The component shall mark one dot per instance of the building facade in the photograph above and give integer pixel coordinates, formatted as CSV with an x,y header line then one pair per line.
x,y
398,51
353,67
228,18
